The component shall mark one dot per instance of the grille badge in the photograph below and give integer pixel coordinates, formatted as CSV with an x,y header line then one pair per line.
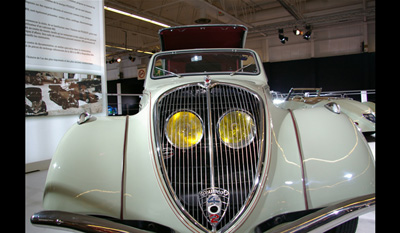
x,y
213,203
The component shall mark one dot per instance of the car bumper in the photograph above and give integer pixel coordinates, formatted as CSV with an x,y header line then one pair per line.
x,y
79,222
319,221
330,217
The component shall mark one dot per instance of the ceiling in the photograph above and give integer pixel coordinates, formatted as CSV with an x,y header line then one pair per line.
x,y
262,18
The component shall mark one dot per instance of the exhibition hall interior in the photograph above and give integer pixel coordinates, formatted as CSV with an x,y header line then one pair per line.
x,y
200,116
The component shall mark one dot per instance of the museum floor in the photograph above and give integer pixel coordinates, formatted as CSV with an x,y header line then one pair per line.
x,y
34,185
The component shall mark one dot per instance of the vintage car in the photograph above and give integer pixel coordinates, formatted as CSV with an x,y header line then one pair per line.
x,y
361,114
33,77
66,99
82,93
34,105
209,152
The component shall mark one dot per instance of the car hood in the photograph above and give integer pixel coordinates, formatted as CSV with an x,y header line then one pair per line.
x,y
203,36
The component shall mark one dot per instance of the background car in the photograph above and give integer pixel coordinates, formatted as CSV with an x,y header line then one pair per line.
x,y
34,105
66,99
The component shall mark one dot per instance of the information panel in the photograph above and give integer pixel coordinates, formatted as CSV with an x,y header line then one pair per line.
x,y
64,56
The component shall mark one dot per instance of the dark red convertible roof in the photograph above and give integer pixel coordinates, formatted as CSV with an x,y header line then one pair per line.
x,y
202,36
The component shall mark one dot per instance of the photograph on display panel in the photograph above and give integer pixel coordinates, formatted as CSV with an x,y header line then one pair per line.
x,y
58,93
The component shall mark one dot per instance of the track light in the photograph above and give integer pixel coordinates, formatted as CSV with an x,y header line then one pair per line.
x,y
132,58
307,35
282,38
119,60
297,31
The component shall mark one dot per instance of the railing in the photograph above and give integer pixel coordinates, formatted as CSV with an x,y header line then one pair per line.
x,y
128,104
359,95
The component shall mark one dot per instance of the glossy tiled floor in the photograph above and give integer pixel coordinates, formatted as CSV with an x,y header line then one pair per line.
x,y
34,186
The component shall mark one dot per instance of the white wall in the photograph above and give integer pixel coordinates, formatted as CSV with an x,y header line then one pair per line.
x,y
329,41
43,133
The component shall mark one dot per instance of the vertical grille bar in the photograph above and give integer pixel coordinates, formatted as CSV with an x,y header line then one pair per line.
x,y
210,163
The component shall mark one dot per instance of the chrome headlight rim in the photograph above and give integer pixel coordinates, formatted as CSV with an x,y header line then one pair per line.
x,y
166,128
252,132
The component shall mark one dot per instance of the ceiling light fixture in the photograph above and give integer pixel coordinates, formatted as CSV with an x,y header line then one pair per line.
x,y
128,49
136,16
132,58
282,38
307,35
297,31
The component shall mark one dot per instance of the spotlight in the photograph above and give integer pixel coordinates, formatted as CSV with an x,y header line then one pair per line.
x,y
119,60
297,31
282,38
307,35
132,58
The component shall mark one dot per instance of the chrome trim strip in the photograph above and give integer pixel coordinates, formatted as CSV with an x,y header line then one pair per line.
x,y
330,217
79,222
121,214
303,176
210,136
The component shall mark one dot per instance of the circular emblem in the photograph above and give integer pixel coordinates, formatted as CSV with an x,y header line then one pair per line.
x,y
213,203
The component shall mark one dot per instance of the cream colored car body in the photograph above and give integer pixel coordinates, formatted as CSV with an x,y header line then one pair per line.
x,y
109,166
354,109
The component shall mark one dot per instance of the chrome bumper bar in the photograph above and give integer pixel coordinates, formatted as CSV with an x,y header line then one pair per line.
x,y
319,221
329,217
79,222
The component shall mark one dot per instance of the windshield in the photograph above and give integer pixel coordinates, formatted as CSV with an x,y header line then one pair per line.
x,y
200,62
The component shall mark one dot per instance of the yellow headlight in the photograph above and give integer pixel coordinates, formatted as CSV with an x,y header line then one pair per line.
x,y
236,129
184,129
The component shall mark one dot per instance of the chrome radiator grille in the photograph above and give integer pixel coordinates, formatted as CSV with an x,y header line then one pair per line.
x,y
211,181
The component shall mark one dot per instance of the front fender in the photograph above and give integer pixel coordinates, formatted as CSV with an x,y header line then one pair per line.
x,y
337,161
84,176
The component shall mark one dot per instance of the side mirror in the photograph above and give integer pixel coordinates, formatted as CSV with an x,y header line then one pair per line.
x,y
85,117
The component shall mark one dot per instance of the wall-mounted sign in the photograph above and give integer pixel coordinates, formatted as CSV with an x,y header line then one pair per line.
x,y
64,56
141,73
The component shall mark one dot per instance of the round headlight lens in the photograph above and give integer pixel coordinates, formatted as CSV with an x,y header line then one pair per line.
x,y
184,129
237,129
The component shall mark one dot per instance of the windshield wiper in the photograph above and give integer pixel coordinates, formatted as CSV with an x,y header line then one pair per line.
x,y
177,75
244,67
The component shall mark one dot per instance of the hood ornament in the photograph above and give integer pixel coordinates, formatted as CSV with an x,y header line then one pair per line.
x,y
213,203
207,82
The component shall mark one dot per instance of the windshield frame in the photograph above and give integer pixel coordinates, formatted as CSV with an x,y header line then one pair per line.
x,y
197,51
